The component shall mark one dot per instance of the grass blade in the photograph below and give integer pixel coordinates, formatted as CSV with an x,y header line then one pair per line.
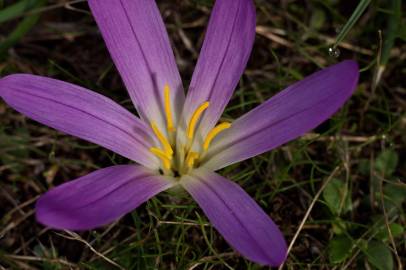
x,y
22,28
15,10
353,19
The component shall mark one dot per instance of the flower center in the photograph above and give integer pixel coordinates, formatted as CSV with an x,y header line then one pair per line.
x,y
177,155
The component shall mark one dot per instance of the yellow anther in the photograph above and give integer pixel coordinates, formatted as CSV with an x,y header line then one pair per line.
x,y
167,147
168,112
213,133
195,117
190,160
166,160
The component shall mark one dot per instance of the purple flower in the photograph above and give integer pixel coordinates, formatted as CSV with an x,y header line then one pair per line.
x,y
176,141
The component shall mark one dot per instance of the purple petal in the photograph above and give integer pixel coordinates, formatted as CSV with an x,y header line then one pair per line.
x,y
286,116
81,113
245,226
98,198
139,45
223,57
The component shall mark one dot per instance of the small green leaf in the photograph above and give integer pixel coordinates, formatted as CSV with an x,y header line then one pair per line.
x,y
364,166
395,228
318,19
386,162
395,195
402,31
339,226
379,255
339,249
336,197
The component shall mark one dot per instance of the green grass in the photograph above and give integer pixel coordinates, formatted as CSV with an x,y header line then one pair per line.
x,y
353,164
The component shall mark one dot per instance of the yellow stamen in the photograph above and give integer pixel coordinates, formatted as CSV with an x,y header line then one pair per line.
x,y
167,147
213,133
164,158
190,160
168,112
195,117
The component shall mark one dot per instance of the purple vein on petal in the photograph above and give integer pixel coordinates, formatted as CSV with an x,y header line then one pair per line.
x,y
139,45
237,218
244,225
289,114
130,134
81,113
99,198
223,57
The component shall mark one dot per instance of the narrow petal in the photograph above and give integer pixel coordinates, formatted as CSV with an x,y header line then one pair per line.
x,y
223,57
286,116
81,113
244,225
98,198
137,40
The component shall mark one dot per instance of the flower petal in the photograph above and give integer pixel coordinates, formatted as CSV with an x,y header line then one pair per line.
x,y
223,57
98,198
81,113
289,114
139,45
245,226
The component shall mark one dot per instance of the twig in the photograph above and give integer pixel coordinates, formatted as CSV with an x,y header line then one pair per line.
x,y
21,206
264,31
357,244
346,138
66,4
316,197
183,223
385,214
14,224
275,33
75,236
208,258
39,259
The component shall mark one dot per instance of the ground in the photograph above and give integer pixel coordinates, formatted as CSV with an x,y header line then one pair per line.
x,y
338,193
